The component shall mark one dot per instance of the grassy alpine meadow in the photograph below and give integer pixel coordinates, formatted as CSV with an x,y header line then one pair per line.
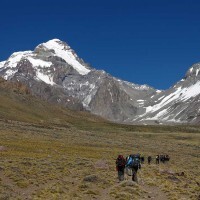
x,y
77,161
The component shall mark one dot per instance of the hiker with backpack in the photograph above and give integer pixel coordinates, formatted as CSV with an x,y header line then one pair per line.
x,y
120,166
133,163
142,159
157,159
149,159
162,158
167,158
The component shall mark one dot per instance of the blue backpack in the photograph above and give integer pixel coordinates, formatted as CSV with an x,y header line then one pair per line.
x,y
133,161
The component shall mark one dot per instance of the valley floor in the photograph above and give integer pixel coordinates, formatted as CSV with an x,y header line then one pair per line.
x,y
66,162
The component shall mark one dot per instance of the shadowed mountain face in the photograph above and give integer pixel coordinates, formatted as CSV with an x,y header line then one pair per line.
x,y
18,104
55,73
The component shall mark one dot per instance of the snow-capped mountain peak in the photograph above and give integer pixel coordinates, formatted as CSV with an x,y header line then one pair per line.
x,y
63,50
178,104
43,61
56,44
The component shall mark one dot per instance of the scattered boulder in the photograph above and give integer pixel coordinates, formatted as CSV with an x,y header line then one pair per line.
x,y
174,179
1,168
91,178
129,183
180,174
101,164
3,148
169,172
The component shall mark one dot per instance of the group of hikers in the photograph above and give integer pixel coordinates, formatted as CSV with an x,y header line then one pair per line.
x,y
133,162
162,158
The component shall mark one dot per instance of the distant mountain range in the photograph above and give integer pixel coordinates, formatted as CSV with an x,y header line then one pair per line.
x,y
55,73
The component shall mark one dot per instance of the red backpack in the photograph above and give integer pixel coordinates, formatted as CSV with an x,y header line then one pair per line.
x,y
120,162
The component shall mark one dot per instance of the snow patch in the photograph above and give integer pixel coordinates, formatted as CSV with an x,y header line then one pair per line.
x,y
66,53
38,62
140,100
45,78
87,100
152,96
9,73
191,91
2,64
161,98
160,114
164,101
197,71
110,93
16,57
92,86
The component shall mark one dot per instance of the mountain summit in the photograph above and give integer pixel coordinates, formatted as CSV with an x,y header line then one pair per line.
x,y
60,49
40,59
54,72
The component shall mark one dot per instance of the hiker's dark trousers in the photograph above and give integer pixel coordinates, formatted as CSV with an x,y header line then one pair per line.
x,y
121,175
134,175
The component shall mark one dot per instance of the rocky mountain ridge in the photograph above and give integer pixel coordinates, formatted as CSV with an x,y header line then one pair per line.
x,y
55,73
178,104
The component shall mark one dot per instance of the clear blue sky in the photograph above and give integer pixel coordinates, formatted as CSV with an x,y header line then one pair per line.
x,y
150,42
